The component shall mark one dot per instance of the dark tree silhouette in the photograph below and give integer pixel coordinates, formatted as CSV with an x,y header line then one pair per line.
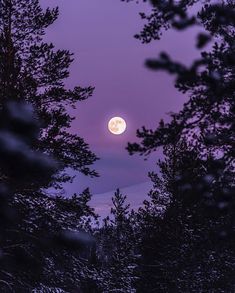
x,y
180,240
207,119
196,230
34,72
117,248
44,241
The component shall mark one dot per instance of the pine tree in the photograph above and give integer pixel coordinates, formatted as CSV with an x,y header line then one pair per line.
x,y
51,244
117,248
176,230
206,123
20,163
34,71
41,239
207,118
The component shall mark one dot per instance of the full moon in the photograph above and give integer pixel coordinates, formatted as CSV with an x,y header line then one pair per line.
x,y
117,125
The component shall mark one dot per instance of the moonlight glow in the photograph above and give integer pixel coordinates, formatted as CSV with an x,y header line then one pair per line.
x,y
117,125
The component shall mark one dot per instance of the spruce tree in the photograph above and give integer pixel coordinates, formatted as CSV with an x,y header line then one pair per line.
x,y
179,244
117,248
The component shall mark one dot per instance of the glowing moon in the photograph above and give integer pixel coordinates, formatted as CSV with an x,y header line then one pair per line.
x,y
117,125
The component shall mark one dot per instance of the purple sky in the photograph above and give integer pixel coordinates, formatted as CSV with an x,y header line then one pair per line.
x,y
100,34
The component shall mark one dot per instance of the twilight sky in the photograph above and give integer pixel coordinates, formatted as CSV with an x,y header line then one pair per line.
x,y
100,34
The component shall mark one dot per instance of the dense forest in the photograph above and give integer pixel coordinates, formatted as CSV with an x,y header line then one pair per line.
x,y
182,238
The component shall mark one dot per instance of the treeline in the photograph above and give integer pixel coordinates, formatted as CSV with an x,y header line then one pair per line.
x,y
177,242
182,238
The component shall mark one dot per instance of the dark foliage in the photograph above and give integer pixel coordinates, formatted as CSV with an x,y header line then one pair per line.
x,y
187,227
34,72
45,242
182,238
117,248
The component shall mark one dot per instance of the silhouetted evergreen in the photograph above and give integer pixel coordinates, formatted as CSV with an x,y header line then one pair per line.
x,y
191,245
116,243
34,71
45,242
180,242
